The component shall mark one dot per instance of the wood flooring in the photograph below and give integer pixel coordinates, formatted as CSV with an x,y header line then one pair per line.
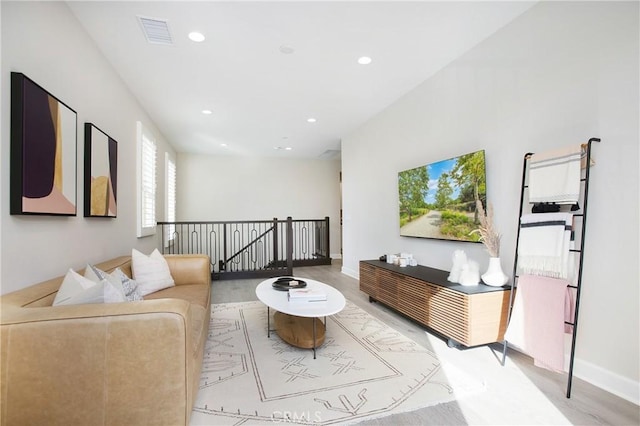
x,y
516,394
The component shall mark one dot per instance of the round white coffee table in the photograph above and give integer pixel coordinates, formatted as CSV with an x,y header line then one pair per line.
x,y
298,323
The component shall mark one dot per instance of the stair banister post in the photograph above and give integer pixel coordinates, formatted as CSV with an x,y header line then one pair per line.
x,y
326,237
289,245
275,242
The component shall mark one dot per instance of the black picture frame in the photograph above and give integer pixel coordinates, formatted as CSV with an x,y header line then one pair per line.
x,y
100,173
43,163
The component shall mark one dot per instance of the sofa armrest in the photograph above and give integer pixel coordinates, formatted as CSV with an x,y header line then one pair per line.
x,y
189,268
122,363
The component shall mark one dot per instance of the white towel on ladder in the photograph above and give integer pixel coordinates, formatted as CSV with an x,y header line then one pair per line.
x,y
554,176
544,244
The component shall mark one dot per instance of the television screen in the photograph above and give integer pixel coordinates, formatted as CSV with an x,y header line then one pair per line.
x,y
438,200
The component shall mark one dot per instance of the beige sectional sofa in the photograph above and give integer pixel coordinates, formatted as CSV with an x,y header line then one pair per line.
x,y
132,363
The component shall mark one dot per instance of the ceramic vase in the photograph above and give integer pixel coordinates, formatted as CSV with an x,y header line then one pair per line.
x,y
494,276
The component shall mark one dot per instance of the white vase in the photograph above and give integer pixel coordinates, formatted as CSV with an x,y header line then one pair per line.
x,y
494,275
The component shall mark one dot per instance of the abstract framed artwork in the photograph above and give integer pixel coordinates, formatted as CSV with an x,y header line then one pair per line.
x,y
100,173
43,151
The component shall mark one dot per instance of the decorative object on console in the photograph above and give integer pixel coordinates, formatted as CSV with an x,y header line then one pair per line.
x,y
470,273
490,237
43,151
406,259
494,275
447,212
459,259
100,173
400,259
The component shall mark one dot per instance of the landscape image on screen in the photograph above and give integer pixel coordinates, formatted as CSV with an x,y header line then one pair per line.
x,y
439,200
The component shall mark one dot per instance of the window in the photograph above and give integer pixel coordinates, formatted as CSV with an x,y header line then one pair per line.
x,y
147,153
170,199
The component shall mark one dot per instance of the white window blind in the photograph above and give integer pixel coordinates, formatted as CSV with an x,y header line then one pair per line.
x,y
170,198
147,153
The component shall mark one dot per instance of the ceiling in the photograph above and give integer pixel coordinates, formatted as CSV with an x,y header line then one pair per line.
x,y
265,67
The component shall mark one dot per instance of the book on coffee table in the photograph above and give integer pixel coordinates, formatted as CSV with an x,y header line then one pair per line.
x,y
307,295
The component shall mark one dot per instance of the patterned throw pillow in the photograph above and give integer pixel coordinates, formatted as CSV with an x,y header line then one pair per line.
x,y
114,292
129,286
118,279
94,274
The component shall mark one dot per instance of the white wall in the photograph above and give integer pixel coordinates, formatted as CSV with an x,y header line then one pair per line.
x,y
561,73
45,41
214,188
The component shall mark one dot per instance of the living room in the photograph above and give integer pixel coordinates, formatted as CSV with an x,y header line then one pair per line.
x,y
560,73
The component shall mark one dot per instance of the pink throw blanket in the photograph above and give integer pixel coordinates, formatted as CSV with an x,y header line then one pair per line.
x,y
537,319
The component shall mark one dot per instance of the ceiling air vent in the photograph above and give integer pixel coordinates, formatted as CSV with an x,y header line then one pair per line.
x,y
155,30
330,153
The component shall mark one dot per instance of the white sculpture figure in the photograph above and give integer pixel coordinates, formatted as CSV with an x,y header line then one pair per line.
x,y
470,274
459,259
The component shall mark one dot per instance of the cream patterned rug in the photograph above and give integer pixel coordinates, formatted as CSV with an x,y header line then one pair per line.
x,y
364,370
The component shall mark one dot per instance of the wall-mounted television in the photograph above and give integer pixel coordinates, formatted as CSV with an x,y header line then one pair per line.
x,y
438,200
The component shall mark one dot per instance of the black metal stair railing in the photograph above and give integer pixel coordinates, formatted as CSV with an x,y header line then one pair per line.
x,y
250,249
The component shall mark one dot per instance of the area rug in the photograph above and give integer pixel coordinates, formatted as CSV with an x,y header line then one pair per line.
x,y
364,370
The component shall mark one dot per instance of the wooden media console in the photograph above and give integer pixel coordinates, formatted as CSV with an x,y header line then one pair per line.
x,y
471,316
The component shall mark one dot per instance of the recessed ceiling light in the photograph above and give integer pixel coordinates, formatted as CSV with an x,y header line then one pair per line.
x,y
196,36
224,145
364,60
207,111
311,120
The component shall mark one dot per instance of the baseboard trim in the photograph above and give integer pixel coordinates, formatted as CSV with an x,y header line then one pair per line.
x,y
350,272
608,380
336,256
605,379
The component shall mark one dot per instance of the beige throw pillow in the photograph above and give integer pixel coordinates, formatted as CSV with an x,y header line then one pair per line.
x,y
150,272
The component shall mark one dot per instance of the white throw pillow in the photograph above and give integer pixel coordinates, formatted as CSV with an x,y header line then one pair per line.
x,y
76,289
150,272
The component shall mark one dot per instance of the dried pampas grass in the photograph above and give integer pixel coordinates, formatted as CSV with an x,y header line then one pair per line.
x,y
489,236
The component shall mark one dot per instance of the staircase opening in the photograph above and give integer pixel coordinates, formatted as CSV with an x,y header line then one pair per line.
x,y
251,249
